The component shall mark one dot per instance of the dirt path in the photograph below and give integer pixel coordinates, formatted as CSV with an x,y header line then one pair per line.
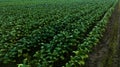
x,y
107,53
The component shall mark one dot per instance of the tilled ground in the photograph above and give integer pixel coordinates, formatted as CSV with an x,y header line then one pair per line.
x,y
107,52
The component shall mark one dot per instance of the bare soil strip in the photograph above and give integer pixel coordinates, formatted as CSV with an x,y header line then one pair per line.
x,y
107,52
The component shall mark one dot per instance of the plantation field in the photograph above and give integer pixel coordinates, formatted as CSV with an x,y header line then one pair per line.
x,y
51,33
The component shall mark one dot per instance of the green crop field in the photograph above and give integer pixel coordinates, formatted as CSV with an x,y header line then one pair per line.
x,y
51,33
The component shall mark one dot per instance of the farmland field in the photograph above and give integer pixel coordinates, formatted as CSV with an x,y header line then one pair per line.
x,y
51,33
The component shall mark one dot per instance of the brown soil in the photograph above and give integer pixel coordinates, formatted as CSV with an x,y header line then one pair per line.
x,y
107,52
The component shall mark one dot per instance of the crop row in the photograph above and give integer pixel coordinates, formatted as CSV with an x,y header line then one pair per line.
x,y
92,40
49,36
41,34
